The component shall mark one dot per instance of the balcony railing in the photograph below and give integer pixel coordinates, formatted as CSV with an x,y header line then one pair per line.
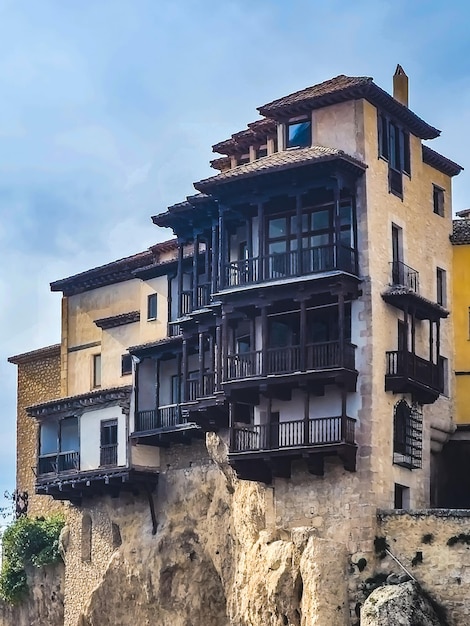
x,y
299,433
58,462
155,419
288,264
317,356
407,365
404,275
108,454
194,387
186,302
203,295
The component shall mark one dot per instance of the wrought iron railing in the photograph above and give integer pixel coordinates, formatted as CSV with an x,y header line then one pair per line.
x,y
408,365
163,417
58,462
293,434
108,454
405,276
292,263
290,359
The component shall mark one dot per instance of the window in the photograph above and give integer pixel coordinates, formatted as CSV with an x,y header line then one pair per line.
x,y
299,134
407,435
438,200
109,442
394,146
261,152
126,364
397,256
402,497
96,370
244,159
441,286
152,306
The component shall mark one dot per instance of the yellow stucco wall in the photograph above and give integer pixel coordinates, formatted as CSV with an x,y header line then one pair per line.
x,y
461,307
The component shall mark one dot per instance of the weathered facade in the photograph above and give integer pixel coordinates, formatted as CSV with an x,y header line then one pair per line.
x,y
238,403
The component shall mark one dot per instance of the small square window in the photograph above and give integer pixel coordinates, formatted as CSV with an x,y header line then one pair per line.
x,y
438,200
152,306
97,370
441,286
126,364
299,134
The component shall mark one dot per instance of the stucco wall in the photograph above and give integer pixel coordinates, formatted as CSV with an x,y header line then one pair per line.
x,y
460,309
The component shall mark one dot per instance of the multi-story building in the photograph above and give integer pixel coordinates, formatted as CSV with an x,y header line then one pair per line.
x,y
301,313
313,321
82,438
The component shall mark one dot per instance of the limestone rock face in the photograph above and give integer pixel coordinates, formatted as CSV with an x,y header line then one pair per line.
x,y
44,603
399,605
215,560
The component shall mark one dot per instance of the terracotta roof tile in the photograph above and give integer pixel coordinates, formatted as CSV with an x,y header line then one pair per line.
x,y
278,161
440,162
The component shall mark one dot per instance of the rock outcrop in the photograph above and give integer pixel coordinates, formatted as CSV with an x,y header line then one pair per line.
x,y
399,605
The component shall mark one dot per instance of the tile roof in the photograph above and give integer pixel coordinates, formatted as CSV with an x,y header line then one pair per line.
x,y
35,355
155,345
118,320
460,232
440,162
83,400
256,132
111,273
341,89
278,161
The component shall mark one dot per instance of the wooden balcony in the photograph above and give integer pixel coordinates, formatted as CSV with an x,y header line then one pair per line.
x,y
191,301
408,373
324,362
58,463
284,265
196,391
263,451
404,294
163,425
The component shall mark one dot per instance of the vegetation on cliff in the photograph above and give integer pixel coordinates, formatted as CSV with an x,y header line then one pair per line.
x,y
28,541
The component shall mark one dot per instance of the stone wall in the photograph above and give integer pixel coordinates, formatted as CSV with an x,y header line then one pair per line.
x,y
434,545
38,381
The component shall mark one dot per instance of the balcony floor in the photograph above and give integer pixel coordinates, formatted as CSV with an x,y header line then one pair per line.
x,y
75,485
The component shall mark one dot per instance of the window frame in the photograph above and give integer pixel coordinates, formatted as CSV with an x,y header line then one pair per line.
x,y
126,359
298,122
438,200
152,307
111,426
96,375
441,286
397,155
407,435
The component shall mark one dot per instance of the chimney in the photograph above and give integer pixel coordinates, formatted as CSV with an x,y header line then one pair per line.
x,y
400,86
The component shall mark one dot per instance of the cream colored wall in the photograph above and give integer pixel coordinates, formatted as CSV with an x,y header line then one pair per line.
x,y
143,457
90,430
339,126
426,245
81,312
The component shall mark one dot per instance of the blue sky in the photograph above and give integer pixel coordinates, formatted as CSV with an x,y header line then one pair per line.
x,y
109,108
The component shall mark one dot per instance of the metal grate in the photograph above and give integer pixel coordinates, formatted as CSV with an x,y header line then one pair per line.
x,y
408,435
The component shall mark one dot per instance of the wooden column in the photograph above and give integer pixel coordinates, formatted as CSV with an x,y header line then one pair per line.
x,y
214,253
344,419
250,268
201,360
212,363
337,224
184,386
405,357
306,418
261,242
180,277
195,271
413,333
157,385
341,322
218,355
224,348
298,225
264,340
223,253
431,341
303,334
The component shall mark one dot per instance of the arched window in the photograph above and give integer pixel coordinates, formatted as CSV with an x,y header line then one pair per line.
x,y
87,528
407,435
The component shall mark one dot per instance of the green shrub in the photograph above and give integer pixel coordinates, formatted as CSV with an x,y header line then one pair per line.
x,y
28,541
